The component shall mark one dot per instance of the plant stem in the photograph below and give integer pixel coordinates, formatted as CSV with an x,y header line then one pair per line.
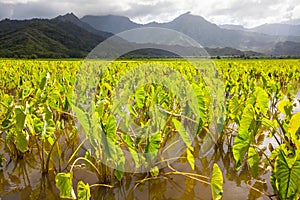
x,y
81,158
101,185
75,152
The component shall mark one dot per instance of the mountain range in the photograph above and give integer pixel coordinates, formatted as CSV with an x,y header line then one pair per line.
x,y
269,29
69,36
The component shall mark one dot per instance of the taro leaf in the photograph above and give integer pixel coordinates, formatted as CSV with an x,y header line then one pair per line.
x,y
88,157
216,183
154,171
83,119
132,110
83,191
201,107
152,145
247,118
44,80
1,160
187,140
20,118
64,184
132,149
111,128
119,174
242,140
233,105
48,126
22,141
267,123
112,149
184,135
140,97
190,158
285,107
262,100
253,160
294,126
119,160
285,177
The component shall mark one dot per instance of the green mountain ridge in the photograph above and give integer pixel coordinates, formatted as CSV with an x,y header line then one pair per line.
x,y
46,38
66,36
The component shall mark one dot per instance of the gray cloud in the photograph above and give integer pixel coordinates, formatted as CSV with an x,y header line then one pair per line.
x,y
245,12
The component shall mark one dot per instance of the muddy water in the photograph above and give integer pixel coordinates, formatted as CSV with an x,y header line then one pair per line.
x,y
23,180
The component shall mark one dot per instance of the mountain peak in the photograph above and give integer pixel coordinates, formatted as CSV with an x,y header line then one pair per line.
x,y
189,16
187,13
68,17
110,23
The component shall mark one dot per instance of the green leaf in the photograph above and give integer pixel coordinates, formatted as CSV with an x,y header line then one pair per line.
x,y
132,110
184,135
247,118
132,149
253,160
154,171
285,107
64,184
152,145
119,161
140,97
88,157
262,100
83,191
1,160
201,107
285,177
22,141
20,118
82,118
216,183
294,126
242,140
267,123
48,125
111,128
119,174
44,81
190,158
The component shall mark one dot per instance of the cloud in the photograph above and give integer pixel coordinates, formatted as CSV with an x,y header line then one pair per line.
x,y
244,12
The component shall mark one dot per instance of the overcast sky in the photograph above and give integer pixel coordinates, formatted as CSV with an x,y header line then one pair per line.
x,y
243,12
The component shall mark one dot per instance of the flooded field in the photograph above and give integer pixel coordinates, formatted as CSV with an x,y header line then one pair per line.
x,y
41,134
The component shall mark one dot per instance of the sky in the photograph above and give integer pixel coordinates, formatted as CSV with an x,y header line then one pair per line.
x,y
248,13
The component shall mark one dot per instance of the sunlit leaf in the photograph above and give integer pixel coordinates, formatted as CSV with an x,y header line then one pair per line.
x,y
83,191
22,141
83,119
262,100
253,160
64,184
285,107
242,140
1,160
294,126
285,177
132,149
216,183
140,97
20,118
154,171
111,128
152,145
190,158
184,135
